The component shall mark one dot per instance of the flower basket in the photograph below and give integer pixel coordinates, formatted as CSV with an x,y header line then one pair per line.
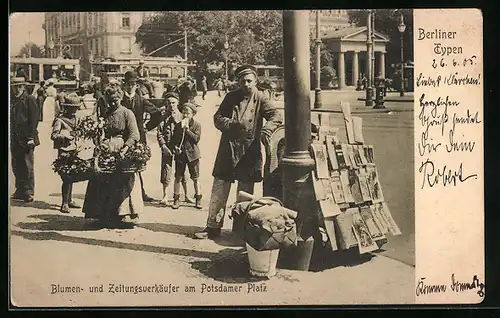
x,y
77,177
73,169
134,161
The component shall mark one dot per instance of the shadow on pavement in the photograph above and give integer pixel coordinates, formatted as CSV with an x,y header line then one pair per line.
x,y
80,196
42,205
324,258
227,238
59,223
187,230
228,266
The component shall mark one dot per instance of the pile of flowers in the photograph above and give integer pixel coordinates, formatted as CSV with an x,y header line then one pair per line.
x,y
137,156
70,165
134,159
89,128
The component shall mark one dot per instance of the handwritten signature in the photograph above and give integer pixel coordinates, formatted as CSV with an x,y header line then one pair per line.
x,y
444,176
456,286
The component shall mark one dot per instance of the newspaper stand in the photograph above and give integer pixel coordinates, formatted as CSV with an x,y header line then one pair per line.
x,y
351,205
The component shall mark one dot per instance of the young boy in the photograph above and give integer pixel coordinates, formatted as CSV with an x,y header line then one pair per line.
x,y
165,131
185,140
64,142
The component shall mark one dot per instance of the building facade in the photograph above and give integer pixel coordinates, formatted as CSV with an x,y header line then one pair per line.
x,y
329,20
90,35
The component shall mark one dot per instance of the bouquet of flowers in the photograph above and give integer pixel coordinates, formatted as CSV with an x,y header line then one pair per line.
x,y
71,167
89,128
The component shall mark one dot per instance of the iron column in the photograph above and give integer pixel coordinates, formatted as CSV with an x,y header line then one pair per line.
x,y
297,162
369,89
401,29
317,91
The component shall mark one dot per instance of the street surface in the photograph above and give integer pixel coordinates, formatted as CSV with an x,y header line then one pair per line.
x,y
48,247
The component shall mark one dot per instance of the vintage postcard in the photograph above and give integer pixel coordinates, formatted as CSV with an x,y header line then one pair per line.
x,y
132,134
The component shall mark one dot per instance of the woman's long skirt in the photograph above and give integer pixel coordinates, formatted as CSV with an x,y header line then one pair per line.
x,y
110,197
50,108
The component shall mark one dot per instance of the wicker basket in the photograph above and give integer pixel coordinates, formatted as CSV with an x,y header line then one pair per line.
x,y
77,177
125,170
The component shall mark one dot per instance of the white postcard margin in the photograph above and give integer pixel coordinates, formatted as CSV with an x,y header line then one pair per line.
x,y
449,179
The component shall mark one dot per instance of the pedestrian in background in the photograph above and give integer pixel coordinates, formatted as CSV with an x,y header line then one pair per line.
x,y
239,158
40,98
63,137
204,86
187,134
50,106
24,115
220,87
165,132
139,105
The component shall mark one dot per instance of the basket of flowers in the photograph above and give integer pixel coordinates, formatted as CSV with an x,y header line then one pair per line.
x,y
109,159
72,168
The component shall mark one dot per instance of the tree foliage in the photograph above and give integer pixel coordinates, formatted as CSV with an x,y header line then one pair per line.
x,y
386,22
254,37
36,51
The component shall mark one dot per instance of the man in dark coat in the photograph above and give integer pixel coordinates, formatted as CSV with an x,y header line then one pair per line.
x,y
134,101
240,119
24,116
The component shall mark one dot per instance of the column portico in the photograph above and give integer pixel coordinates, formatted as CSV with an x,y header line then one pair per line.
x,y
355,68
381,63
341,70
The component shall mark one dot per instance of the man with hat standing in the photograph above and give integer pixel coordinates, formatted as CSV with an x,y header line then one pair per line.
x,y
24,117
240,119
134,101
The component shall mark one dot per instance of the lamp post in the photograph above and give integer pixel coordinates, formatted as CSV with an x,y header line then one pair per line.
x,y
369,48
226,47
297,163
317,90
401,29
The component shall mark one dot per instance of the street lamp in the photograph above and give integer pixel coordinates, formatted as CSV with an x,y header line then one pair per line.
x,y
401,29
317,96
369,53
226,47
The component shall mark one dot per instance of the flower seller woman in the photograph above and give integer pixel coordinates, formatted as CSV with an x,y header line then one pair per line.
x,y
63,136
115,198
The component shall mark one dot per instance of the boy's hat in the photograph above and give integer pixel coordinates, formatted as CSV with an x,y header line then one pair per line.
x,y
71,100
171,94
190,105
244,70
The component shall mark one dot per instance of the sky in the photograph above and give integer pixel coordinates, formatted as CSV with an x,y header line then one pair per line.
x,y
24,26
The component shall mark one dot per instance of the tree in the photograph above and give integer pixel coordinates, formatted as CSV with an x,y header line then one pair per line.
x,y
36,51
387,21
254,37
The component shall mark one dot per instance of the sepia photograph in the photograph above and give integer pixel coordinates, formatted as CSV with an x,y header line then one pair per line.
x,y
133,135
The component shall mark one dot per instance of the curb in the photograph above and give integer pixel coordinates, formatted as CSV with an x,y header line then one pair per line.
x,y
392,100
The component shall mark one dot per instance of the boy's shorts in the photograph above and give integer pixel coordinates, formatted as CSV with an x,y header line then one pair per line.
x,y
166,168
193,167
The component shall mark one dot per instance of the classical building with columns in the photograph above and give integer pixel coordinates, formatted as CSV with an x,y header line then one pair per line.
x,y
348,46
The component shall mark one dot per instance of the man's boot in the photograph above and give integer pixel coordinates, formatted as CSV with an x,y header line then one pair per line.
x,y
66,192
197,203
207,233
176,202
